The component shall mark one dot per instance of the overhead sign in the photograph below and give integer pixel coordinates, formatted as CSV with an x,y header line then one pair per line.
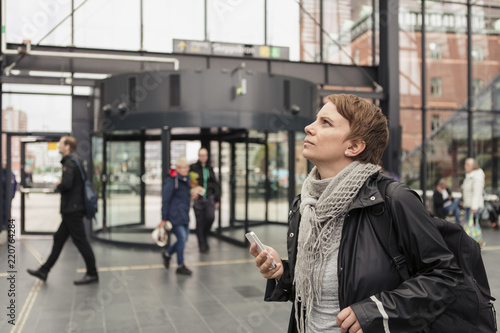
x,y
231,49
192,46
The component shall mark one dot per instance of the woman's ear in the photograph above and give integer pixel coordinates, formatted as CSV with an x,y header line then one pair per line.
x,y
356,148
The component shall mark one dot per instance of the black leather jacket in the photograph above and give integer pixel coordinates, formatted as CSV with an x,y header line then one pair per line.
x,y
71,186
368,280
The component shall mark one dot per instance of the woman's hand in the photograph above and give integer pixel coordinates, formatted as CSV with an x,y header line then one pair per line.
x,y
264,264
348,322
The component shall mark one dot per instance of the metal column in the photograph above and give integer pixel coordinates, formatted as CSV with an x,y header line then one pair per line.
x,y
388,72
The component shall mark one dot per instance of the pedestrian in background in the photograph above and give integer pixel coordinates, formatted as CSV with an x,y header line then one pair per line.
x,y
13,183
204,205
72,212
444,203
472,189
176,202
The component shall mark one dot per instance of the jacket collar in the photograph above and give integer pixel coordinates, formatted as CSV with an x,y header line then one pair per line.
x,y
67,157
369,194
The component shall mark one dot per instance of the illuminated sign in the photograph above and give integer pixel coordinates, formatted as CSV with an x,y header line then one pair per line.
x,y
230,49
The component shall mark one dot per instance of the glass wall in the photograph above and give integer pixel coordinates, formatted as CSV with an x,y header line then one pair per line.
x,y
123,193
167,20
278,176
236,21
313,30
448,112
98,163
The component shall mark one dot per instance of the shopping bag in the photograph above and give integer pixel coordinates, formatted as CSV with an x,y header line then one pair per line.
x,y
473,229
160,234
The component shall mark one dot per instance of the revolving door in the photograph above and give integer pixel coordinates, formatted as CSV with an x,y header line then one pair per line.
x,y
253,169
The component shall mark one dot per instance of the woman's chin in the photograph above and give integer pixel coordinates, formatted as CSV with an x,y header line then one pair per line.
x,y
307,154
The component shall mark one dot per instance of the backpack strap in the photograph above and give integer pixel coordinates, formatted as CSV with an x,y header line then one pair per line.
x,y
82,173
384,229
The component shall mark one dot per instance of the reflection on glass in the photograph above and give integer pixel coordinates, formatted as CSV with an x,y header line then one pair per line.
x,y
42,171
225,169
35,113
123,186
256,182
153,181
301,171
240,182
278,176
97,160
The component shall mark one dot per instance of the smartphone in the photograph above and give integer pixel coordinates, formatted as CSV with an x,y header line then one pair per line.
x,y
252,237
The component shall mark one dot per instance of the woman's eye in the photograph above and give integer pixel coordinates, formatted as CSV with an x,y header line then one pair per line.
x,y
326,122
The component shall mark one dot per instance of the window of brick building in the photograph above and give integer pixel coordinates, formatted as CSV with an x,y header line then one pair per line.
x,y
436,121
436,87
477,85
436,52
477,53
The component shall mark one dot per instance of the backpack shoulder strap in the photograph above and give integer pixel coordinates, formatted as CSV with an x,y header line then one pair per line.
x,y
82,173
385,231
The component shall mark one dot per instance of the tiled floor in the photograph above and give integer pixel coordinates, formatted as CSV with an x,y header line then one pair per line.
x,y
137,294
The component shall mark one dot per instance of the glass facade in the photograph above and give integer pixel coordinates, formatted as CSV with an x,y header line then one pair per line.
x,y
454,70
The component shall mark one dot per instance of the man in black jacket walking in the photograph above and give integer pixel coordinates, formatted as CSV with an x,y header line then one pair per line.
x,y
205,205
72,211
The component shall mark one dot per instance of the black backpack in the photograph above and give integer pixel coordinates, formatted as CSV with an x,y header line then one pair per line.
x,y
89,195
473,310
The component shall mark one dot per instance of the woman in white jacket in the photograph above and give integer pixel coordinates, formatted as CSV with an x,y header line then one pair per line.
x,y
472,189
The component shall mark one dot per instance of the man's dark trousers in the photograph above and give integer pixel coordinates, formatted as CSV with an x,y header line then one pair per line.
x,y
72,225
204,210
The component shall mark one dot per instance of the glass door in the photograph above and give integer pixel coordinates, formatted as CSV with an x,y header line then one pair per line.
x,y
123,188
35,161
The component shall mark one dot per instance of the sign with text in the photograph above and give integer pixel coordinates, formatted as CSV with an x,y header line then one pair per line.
x,y
230,49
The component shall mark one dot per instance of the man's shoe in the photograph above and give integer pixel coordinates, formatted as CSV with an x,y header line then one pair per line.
x,y
38,273
87,279
166,260
183,270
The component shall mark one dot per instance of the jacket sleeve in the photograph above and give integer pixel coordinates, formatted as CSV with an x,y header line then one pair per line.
x,y
438,201
280,291
435,276
215,185
168,191
70,171
477,191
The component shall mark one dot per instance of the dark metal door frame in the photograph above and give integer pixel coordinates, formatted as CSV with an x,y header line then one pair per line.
x,y
36,137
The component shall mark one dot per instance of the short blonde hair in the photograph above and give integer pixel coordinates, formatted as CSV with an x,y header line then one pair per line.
x,y
181,161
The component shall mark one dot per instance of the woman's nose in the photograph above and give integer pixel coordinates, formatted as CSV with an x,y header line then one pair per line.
x,y
309,129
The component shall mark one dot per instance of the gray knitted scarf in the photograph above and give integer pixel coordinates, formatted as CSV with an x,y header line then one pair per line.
x,y
324,203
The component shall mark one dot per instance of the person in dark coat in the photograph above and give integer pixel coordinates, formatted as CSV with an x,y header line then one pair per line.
x,y
13,183
444,203
72,212
338,275
176,200
205,204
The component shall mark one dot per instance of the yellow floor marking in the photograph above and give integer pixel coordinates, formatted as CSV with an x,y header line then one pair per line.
x,y
28,305
160,266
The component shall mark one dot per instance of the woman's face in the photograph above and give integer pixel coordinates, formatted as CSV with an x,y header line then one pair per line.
x,y
325,140
468,166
